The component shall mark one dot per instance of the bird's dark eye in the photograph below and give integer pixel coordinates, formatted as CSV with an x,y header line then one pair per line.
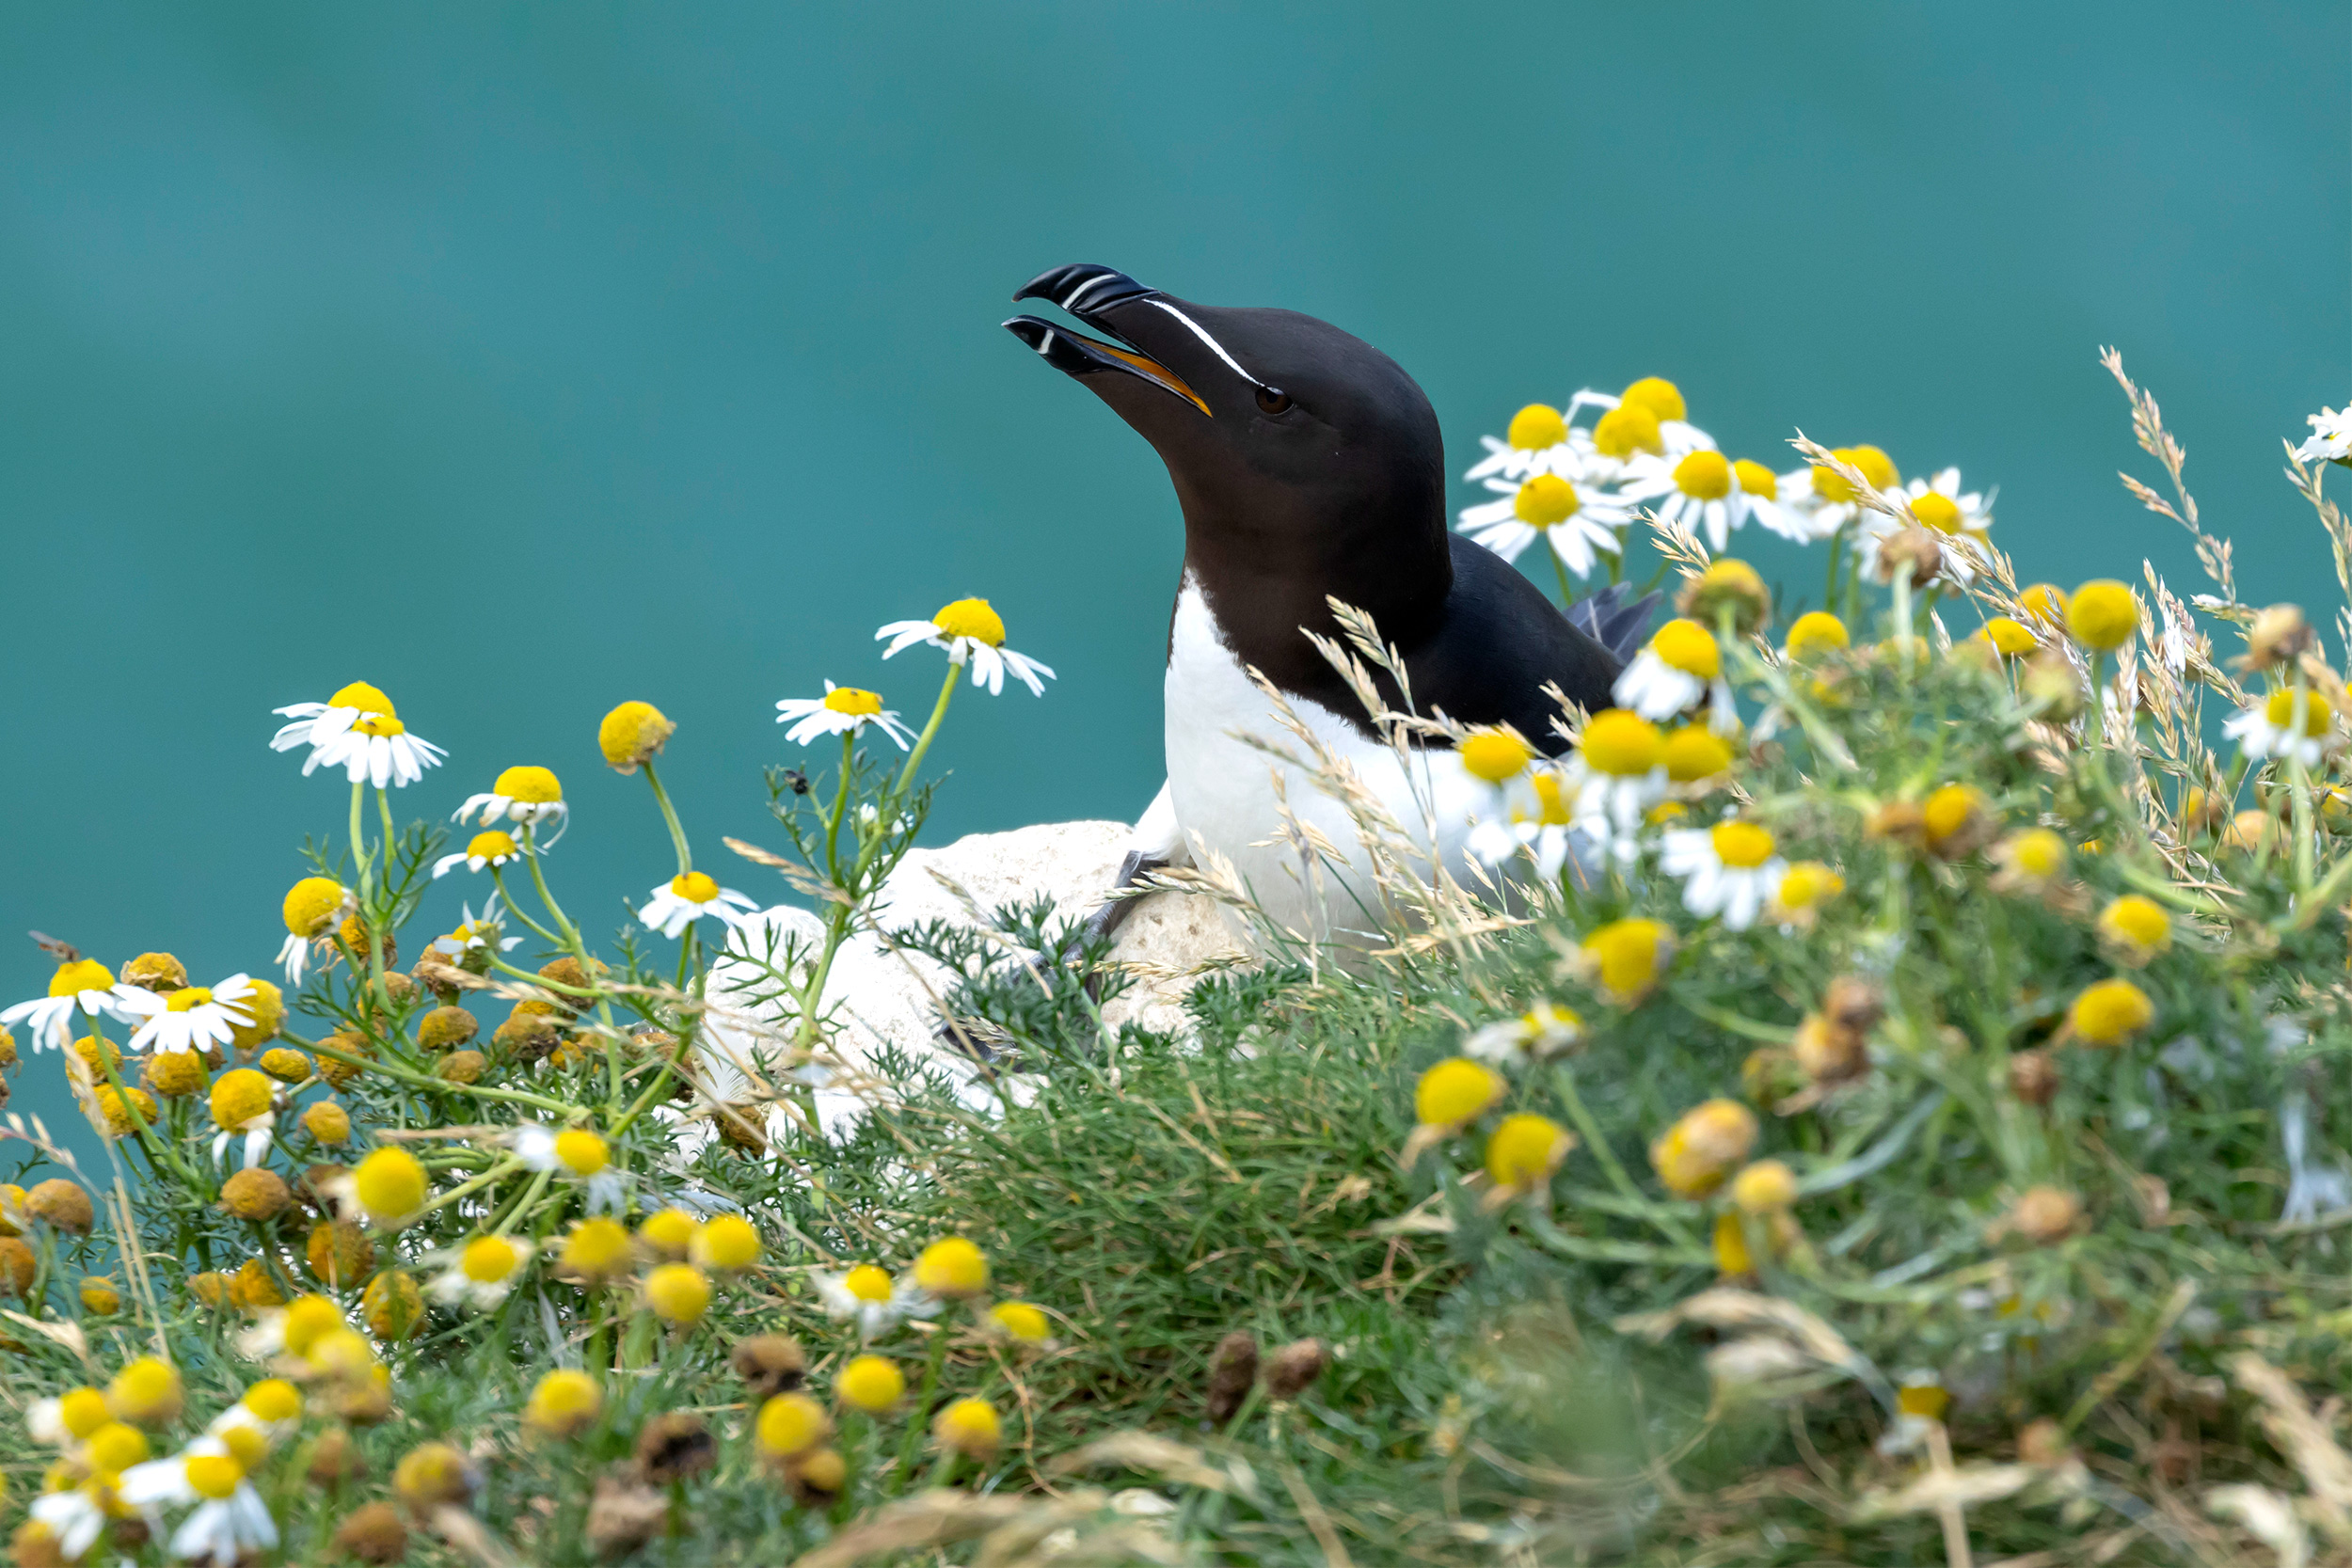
x,y
1273,400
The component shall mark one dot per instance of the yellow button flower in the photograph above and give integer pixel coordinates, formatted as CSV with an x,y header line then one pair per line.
x,y
2109,1012
678,1292
951,1267
1454,1093
634,735
1624,959
870,1383
2102,615
390,1184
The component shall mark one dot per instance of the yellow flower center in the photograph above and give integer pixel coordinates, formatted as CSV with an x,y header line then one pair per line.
x,y
1525,1151
378,723
1022,1321
565,1397
695,887
971,618
867,1282
2045,602
310,905
187,998
80,975
849,700
1949,809
596,1247
671,1232
1764,1186
1454,1093
970,1426
214,1475
581,1151
2102,615
631,733
145,1388
2110,1012
1554,804
83,1409
1494,757
951,1266
273,1398
1625,952
390,1184
1807,884
1537,427
1876,466
1621,744
2010,637
1816,632
2039,854
1695,752
1937,511
2280,710
240,1095
1660,398
309,1320
1704,476
2137,922
1626,430
1546,500
360,695
535,786
1927,1401
677,1293
871,1383
791,1424
726,1242
493,845
246,1445
1742,846
117,1447
1755,479
1687,646
488,1260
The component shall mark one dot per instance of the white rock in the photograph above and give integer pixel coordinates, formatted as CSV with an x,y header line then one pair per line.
x,y
885,995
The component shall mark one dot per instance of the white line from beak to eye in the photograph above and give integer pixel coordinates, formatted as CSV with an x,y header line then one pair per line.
x,y
1084,288
1217,347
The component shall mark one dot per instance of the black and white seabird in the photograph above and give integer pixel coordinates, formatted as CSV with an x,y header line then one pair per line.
x,y
1310,468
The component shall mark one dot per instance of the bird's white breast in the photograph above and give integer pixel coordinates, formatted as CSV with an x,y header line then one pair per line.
x,y
1226,797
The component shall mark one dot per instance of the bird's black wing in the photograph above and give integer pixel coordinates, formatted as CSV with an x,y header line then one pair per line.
x,y
1499,644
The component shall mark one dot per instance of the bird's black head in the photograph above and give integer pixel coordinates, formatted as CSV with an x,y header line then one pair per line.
x,y
1307,461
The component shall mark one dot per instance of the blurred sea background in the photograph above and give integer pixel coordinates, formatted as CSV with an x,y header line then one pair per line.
x,y
522,360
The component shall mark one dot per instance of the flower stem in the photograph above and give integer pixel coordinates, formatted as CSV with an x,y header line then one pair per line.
x,y
921,1412
669,814
923,741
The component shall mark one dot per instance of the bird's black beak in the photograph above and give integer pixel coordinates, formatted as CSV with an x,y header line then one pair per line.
x,y
1087,291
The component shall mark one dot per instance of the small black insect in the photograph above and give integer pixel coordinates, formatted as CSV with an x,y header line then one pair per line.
x,y
798,780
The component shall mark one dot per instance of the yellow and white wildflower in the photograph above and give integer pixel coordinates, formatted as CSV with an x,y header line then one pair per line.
x,y
480,1272
1682,667
1515,801
1824,500
1757,491
497,847
842,710
228,1520
316,908
1732,869
1617,773
190,1018
1540,440
868,1296
75,1516
2330,440
1699,490
1580,525
485,932
81,985
1658,406
690,897
1957,518
358,731
574,1154
969,630
2273,727
1544,1030
525,794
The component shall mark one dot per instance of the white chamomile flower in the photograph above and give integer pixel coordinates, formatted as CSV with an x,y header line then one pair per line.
x,y
495,847
1515,801
1699,490
1648,416
1823,497
1579,525
229,1521
1958,519
2269,727
574,1154
842,710
358,731
1682,667
481,933
969,629
1757,490
193,1018
1544,1030
1617,773
2331,438
526,794
687,898
868,1296
80,985
480,1274
1541,439
1729,869
268,1410
75,1516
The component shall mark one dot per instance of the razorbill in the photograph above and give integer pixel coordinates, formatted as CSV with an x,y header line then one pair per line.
x,y
1310,468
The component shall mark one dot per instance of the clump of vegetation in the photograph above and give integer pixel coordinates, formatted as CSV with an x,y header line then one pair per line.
x,y
1870,1098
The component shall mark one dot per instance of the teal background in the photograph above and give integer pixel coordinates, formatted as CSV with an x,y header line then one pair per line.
x,y
524,361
